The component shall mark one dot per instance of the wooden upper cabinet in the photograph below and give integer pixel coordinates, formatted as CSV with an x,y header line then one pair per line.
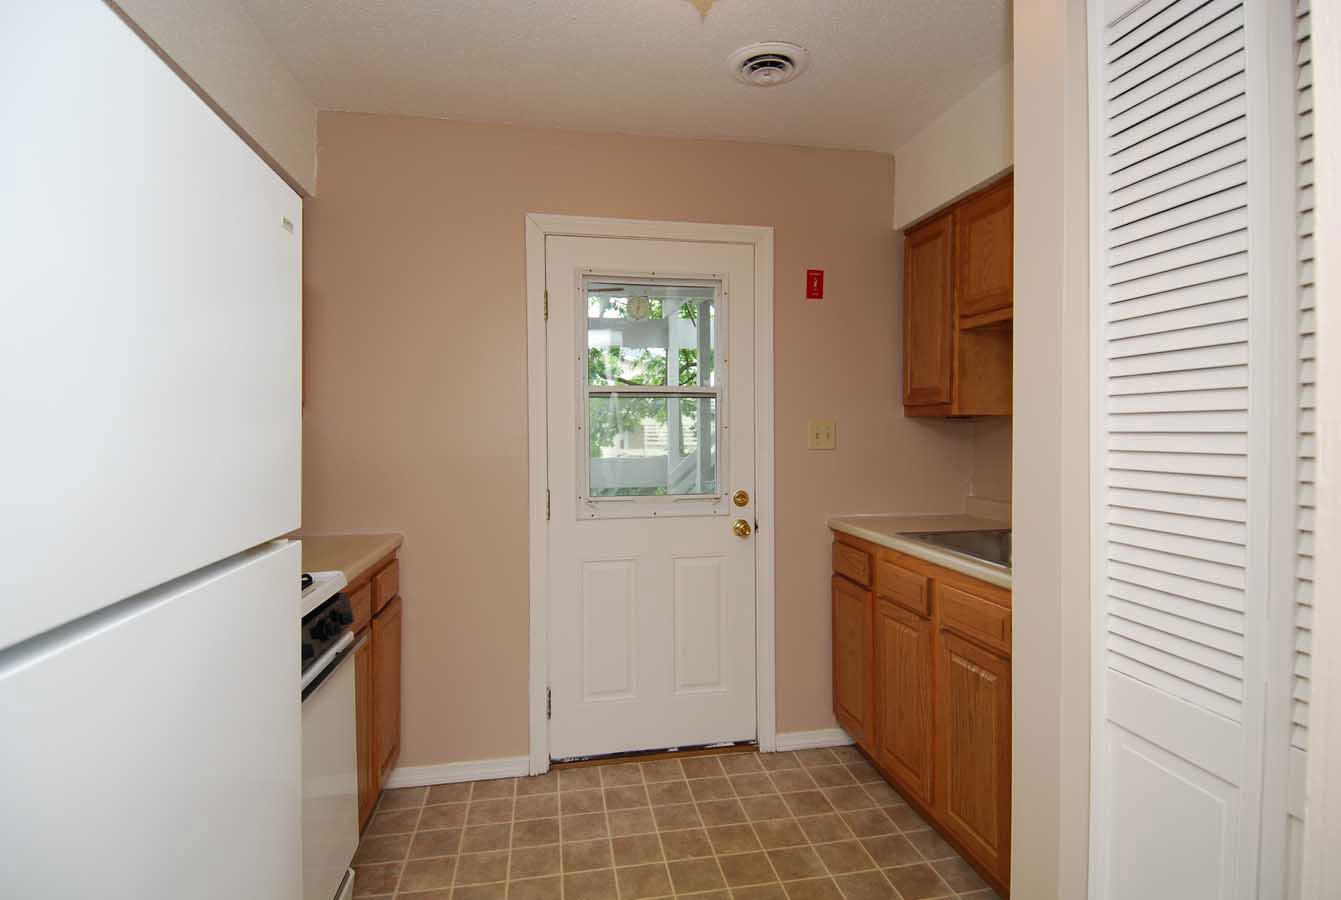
x,y
852,659
928,313
973,750
984,251
903,705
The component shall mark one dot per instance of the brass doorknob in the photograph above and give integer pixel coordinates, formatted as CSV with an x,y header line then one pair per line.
x,y
741,528
741,498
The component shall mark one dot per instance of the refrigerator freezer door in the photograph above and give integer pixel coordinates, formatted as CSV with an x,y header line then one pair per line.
x,y
150,354
152,750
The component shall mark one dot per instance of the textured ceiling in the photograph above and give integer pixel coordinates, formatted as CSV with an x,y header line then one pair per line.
x,y
879,69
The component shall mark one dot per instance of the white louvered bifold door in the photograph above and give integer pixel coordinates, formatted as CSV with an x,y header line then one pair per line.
x,y
1187,291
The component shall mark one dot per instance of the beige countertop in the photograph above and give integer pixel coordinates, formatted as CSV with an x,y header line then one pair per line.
x,y
888,531
352,554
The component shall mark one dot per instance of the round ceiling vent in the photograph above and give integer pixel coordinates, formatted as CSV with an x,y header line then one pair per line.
x,y
768,64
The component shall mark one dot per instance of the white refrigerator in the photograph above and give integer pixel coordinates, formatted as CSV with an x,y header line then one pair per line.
x,y
150,283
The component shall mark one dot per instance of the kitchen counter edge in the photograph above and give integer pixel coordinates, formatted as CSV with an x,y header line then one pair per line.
x,y
888,531
352,554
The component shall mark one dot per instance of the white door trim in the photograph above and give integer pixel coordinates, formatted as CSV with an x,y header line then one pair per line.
x,y
538,227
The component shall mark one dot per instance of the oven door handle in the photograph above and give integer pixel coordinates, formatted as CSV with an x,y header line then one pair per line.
x,y
328,663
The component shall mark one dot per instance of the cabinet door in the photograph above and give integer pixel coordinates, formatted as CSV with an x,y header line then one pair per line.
x,y
386,688
928,314
852,676
984,250
903,712
363,729
973,749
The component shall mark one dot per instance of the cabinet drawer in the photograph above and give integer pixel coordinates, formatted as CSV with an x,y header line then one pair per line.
x,y
853,563
386,584
361,601
975,617
908,589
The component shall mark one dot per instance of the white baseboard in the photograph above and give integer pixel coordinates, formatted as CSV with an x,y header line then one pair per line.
x,y
513,766
809,740
449,773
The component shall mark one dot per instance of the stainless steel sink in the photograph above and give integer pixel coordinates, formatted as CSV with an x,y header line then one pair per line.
x,y
992,546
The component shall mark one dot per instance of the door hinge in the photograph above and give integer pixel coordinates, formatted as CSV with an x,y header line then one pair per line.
x,y
546,504
549,703
546,304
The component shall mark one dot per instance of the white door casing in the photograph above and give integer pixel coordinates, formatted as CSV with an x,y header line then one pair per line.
x,y
652,598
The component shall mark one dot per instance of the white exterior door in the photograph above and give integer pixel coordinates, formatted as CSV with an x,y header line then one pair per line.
x,y
650,354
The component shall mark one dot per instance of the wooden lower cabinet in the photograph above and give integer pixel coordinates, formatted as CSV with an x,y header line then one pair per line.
x,y
973,748
377,681
852,659
363,728
922,683
903,680
386,687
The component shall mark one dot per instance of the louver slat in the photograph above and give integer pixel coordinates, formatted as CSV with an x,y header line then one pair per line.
x,y
1306,352
1175,357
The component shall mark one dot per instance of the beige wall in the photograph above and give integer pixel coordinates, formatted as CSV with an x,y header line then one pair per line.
x,y
1051,597
966,146
992,458
416,417
215,45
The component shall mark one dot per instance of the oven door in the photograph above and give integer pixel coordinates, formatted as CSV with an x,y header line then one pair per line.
x,y
330,773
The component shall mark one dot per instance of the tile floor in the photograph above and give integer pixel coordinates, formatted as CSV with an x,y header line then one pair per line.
x,y
810,825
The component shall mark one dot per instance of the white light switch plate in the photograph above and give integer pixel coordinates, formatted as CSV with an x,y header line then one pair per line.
x,y
820,436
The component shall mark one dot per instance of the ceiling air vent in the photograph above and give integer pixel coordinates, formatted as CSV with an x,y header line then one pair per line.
x,y
768,64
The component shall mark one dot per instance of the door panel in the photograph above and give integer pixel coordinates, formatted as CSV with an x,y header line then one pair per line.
x,y
650,413
928,314
904,727
852,658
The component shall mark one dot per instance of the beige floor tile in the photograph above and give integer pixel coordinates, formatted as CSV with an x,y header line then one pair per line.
x,y
746,868
987,894
550,888
479,868
702,767
378,878
741,763
532,862
621,775
959,875
791,780
721,812
844,857
810,758
662,770
384,848
813,889
583,801
444,894
450,815
583,855
599,885
930,844
497,891
494,789
668,792
440,842
449,793
428,874
489,812
807,803
402,798
636,849
396,821
752,784
626,797
641,882
536,806
848,754
776,833
479,838
767,807
917,882
868,822
688,844
535,831
733,839
883,794
579,779
708,895
824,828
850,797
832,776
692,876
584,827
866,886
772,891
906,818
670,818
794,863
776,761
710,788
538,784
891,850
864,772
631,821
